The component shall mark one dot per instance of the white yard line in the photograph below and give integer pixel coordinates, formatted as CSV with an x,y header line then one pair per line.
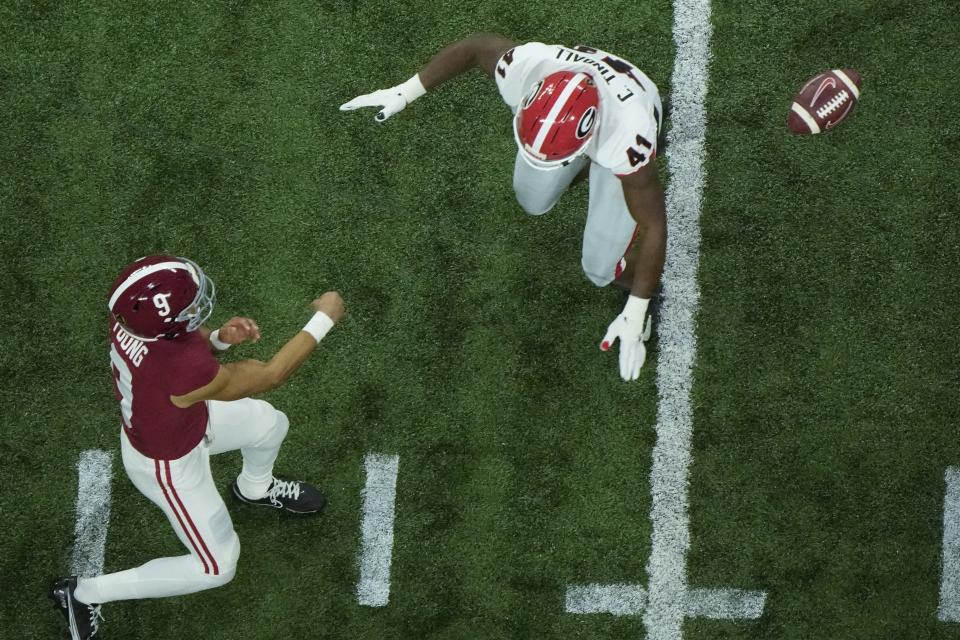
x,y
949,610
669,476
379,500
668,600
95,473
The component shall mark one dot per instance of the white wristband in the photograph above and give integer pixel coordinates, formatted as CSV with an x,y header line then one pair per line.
x,y
411,89
318,325
636,308
217,343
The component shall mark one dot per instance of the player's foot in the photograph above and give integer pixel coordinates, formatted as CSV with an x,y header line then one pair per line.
x,y
292,495
82,618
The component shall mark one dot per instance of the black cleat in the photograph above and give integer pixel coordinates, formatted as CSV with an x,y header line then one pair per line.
x,y
82,618
292,495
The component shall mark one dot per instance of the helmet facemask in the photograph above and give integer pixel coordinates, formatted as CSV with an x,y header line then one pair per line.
x,y
202,306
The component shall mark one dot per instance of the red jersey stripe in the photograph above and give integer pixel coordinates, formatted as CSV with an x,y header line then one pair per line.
x,y
206,569
216,569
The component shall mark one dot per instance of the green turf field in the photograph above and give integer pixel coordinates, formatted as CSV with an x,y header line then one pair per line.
x,y
828,373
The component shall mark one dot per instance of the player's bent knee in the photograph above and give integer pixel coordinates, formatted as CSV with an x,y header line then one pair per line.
x,y
600,275
531,201
281,426
227,557
534,206
272,424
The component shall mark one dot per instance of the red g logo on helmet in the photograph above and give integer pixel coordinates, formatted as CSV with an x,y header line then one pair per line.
x,y
161,296
555,121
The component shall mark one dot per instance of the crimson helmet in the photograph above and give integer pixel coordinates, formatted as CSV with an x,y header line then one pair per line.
x,y
161,296
555,121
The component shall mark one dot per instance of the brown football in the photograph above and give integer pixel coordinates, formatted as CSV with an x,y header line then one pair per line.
x,y
824,101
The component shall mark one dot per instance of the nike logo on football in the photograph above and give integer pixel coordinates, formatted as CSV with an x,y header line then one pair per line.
x,y
827,82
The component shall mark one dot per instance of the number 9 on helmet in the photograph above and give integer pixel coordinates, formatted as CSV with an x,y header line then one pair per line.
x,y
161,296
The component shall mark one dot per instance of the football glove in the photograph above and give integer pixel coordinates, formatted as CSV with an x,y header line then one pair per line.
x,y
390,101
632,331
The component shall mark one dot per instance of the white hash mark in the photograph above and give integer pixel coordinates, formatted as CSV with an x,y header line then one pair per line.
x,y
95,471
379,503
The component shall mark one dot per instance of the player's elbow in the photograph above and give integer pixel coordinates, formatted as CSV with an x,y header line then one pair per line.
x,y
274,376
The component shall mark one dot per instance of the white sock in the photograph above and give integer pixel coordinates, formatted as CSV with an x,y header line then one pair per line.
x,y
253,487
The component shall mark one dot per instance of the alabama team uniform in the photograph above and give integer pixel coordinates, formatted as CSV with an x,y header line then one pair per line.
x,y
166,453
624,140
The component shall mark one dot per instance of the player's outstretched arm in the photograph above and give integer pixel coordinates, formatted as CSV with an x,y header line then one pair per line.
x,y
246,378
644,197
645,201
480,50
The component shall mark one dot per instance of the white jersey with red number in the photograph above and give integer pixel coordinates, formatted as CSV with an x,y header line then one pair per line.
x,y
625,138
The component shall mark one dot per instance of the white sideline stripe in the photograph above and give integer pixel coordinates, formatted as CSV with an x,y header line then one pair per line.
x,y
949,609
725,604
806,117
616,599
95,471
379,500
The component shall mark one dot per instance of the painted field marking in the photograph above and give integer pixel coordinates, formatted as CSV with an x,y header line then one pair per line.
x,y
725,604
668,598
670,601
669,475
95,473
949,609
631,600
616,599
376,528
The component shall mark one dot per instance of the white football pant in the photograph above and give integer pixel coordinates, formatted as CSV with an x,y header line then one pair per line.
x,y
610,228
185,491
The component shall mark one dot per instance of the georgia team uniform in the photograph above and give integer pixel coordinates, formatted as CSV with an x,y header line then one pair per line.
x,y
166,453
623,141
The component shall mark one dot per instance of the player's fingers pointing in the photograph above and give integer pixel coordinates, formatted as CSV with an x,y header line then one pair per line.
x,y
358,102
608,340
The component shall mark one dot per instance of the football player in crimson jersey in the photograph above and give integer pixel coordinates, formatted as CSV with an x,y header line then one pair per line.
x,y
178,407
574,108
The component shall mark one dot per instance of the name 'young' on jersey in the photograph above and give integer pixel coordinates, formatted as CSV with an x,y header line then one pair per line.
x,y
625,138
145,374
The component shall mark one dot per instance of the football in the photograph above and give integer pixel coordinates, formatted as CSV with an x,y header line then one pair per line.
x,y
824,101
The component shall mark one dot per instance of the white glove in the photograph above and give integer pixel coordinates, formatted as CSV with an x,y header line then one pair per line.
x,y
629,326
391,100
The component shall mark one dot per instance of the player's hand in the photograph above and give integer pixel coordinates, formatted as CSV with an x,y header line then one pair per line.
x,y
237,330
331,304
632,331
390,101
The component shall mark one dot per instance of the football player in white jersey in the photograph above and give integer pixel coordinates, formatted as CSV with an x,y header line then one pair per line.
x,y
574,108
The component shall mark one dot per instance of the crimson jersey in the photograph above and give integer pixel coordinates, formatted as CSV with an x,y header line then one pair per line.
x,y
145,375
